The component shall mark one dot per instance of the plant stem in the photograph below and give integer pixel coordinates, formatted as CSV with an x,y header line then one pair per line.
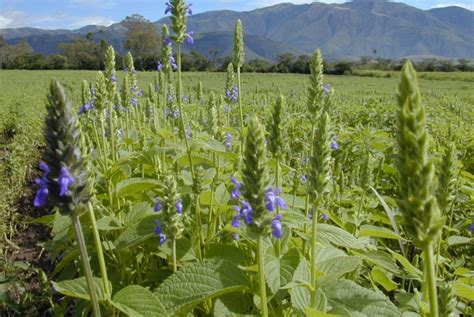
x,y
175,268
98,247
430,278
313,254
277,181
198,220
180,107
239,98
261,276
85,263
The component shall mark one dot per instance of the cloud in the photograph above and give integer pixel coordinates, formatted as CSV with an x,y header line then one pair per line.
x,y
12,19
102,4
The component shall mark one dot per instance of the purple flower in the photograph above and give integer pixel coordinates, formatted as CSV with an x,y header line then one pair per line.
x,y
113,78
235,94
235,182
45,168
134,101
139,93
246,212
272,200
189,9
227,93
159,232
173,63
334,145
471,227
176,114
85,108
169,7
327,89
324,217
167,41
235,193
159,67
179,206
41,196
189,133
228,140
158,205
235,222
189,38
65,180
277,230
303,178
169,98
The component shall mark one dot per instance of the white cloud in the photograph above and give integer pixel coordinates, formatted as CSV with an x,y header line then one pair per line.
x,y
462,5
4,22
11,19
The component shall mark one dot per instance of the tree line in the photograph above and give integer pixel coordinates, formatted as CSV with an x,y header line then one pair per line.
x,y
143,41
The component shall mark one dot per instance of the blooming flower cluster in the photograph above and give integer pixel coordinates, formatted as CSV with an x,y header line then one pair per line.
x,y
228,140
64,181
232,94
246,212
189,10
159,228
85,108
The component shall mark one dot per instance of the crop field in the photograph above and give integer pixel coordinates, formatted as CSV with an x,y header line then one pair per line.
x,y
236,194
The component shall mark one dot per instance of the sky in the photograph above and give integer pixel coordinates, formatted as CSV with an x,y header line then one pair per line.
x,y
73,14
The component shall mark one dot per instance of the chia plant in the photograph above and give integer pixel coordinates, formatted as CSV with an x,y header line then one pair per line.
x,y
239,56
417,203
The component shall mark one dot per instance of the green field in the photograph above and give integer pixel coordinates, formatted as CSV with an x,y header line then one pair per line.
x,y
358,249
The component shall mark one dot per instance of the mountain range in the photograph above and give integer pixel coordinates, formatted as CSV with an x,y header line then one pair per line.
x,y
375,28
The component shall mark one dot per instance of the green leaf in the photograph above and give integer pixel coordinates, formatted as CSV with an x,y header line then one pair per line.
x,y
222,196
227,252
381,277
78,288
463,290
135,185
236,304
359,301
310,312
136,233
382,259
378,232
415,273
339,266
300,294
109,223
338,237
279,271
135,300
198,282
458,240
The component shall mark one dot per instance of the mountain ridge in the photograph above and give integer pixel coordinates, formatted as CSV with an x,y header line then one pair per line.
x,y
350,30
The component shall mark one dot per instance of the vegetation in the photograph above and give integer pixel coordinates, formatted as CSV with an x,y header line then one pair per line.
x,y
172,193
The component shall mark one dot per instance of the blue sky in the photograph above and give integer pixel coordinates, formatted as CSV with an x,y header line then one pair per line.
x,y
73,14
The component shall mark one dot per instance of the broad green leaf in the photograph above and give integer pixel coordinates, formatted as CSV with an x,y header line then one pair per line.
x,y
359,301
222,196
136,233
136,185
198,282
227,252
380,258
415,273
300,294
235,304
279,271
109,223
381,277
78,288
135,300
463,290
183,161
378,232
310,312
338,237
458,240
338,266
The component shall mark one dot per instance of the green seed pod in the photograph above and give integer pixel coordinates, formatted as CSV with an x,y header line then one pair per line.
x,y
417,201
132,77
170,218
315,89
255,173
199,93
86,93
178,20
239,54
229,85
212,116
100,92
198,183
447,178
110,77
166,53
319,169
275,142
63,152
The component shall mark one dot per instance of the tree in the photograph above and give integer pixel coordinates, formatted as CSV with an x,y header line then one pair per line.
x,y
142,38
284,63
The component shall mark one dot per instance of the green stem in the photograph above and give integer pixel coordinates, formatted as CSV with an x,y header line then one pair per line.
x,y
240,111
175,267
198,220
261,276
112,132
277,181
181,113
430,278
100,253
85,263
313,254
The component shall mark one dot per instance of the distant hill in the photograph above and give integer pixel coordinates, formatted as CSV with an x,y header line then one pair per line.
x,y
373,28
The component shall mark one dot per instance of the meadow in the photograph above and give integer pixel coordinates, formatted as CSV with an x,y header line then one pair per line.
x,y
183,203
